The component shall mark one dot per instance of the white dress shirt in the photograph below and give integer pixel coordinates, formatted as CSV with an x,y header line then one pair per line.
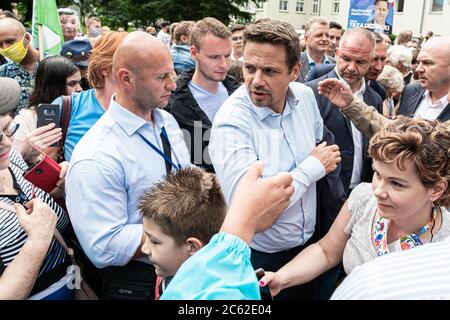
x,y
243,133
429,110
110,168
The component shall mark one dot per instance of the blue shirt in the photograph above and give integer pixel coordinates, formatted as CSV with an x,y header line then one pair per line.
x,y
243,133
207,101
23,77
219,271
312,63
181,56
86,110
110,168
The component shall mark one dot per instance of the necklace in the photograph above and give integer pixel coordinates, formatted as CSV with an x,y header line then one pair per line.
x,y
407,242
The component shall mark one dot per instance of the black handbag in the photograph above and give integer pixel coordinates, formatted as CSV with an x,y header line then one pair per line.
x,y
134,281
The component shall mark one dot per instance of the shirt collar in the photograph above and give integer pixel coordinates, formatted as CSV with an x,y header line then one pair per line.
x,y
130,122
441,102
313,63
264,112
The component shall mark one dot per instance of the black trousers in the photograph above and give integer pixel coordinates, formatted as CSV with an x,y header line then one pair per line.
x,y
273,262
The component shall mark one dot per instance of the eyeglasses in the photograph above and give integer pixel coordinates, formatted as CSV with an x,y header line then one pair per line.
x,y
10,131
235,39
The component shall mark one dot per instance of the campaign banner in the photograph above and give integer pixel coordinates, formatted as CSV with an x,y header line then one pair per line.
x,y
374,15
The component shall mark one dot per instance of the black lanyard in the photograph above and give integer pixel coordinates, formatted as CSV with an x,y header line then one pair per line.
x,y
167,150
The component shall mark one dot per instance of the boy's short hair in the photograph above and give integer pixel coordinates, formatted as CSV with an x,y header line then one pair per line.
x,y
189,203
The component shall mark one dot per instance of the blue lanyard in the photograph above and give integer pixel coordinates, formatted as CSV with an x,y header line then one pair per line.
x,y
158,151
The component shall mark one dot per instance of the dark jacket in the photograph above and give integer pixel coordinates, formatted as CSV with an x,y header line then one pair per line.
x,y
190,117
306,69
331,195
340,126
411,97
324,69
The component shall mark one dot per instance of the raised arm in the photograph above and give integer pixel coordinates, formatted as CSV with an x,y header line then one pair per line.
x,y
365,118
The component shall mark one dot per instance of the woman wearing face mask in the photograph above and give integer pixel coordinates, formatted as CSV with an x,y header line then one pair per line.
x,y
51,279
55,76
15,45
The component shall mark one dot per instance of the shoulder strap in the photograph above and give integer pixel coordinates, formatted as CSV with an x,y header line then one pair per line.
x,y
65,118
167,150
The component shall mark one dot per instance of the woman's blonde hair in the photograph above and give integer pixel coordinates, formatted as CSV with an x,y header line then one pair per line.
x,y
424,142
102,57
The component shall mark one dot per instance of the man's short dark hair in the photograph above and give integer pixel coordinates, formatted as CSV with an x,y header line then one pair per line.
x,y
165,24
277,33
335,25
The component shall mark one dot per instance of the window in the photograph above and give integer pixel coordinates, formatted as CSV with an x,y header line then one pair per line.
x,y
315,7
437,6
283,5
336,6
399,4
300,7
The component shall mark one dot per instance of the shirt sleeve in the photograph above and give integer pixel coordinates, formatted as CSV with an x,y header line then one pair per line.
x,y
219,271
97,203
365,118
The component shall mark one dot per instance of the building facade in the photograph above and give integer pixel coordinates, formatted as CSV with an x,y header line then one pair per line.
x,y
420,16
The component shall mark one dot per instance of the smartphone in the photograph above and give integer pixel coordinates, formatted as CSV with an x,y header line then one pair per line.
x,y
48,113
265,292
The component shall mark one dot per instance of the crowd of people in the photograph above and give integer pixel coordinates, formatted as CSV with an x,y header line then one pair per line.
x,y
193,155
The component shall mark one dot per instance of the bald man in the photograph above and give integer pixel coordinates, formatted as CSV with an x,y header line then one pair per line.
x,y
15,45
132,146
428,98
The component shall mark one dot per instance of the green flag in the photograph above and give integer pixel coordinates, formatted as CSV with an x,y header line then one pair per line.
x,y
45,14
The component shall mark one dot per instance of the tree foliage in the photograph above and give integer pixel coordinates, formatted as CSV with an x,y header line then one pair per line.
x,y
118,13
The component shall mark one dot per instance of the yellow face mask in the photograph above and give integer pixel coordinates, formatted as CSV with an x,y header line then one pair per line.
x,y
16,52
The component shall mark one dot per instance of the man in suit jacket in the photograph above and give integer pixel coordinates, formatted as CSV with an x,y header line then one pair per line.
x,y
428,99
317,42
376,67
353,59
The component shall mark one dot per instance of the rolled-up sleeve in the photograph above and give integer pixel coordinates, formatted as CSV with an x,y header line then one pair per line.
x,y
97,203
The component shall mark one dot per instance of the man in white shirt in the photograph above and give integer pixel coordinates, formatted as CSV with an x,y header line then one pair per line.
x,y
276,120
428,99
132,146
164,35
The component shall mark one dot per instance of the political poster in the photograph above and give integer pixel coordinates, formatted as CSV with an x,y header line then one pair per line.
x,y
374,15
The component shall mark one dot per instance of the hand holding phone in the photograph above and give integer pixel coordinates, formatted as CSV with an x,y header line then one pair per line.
x,y
46,114
44,174
265,291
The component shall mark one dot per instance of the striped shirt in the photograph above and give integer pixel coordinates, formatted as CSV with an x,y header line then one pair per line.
x,y
420,273
13,237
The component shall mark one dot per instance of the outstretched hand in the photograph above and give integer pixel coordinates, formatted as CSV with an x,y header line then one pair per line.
x,y
337,91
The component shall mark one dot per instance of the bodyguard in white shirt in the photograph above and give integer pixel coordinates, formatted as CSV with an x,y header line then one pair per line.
x,y
133,145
